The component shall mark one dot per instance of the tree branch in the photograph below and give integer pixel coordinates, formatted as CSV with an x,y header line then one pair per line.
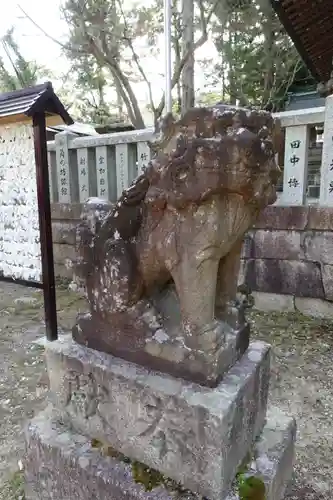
x,y
136,57
62,45
121,81
204,21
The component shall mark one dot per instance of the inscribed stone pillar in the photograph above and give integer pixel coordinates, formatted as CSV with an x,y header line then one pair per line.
x,y
295,165
326,184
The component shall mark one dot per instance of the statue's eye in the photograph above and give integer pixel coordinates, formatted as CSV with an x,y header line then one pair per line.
x,y
182,175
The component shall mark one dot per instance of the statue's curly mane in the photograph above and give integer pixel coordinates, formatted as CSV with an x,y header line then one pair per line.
x,y
175,149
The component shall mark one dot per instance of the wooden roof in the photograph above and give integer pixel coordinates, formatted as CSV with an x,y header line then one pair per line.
x,y
29,101
309,23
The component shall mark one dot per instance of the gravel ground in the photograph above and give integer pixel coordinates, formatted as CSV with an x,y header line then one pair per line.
x,y
302,383
302,386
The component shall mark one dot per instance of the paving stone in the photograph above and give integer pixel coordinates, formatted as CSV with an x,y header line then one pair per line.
x,y
314,307
273,302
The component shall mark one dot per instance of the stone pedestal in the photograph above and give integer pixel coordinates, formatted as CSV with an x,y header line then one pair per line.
x,y
195,435
62,464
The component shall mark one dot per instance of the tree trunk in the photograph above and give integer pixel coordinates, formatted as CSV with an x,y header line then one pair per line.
x,y
269,34
232,73
188,97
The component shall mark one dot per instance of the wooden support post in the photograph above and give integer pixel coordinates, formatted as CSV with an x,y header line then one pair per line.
x,y
45,227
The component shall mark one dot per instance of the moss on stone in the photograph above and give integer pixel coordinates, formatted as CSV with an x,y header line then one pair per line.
x,y
149,478
142,474
251,488
245,464
13,489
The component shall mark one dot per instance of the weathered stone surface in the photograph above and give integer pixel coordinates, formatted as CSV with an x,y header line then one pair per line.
x,y
64,253
275,455
320,218
64,233
63,270
248,246
175,237
299,278
62,465
273,302
157,352
242,270
288,218
269,244
193,434
327,274
318,246
66,211
314,307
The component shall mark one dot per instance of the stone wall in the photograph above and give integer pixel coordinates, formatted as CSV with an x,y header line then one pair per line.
x,y
288,259
64,220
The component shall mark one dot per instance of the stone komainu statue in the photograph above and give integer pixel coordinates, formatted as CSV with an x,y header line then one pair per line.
x,y
161,266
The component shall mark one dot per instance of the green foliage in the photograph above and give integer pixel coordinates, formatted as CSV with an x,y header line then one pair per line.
x,y
111,45
14,487
146,476
259,61
24,73
251,488
122,38
149,478
209,98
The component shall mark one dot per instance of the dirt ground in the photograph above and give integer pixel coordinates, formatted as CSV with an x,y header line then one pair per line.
x,y
302,384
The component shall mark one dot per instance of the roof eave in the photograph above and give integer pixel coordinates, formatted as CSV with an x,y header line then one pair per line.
x,y
49,102
293,35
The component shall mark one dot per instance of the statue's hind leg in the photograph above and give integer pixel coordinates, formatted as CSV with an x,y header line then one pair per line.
x,y
227,279
226,307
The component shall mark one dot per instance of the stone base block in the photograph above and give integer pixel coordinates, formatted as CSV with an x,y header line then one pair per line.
x,y
63,465
195,435
161,349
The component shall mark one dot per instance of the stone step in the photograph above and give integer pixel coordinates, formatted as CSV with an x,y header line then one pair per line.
x,y
62,465
195,435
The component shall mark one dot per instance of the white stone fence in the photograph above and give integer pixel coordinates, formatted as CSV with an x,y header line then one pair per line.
x,y
104,165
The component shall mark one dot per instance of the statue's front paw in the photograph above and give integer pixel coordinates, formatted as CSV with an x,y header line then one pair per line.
x,y
211,337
